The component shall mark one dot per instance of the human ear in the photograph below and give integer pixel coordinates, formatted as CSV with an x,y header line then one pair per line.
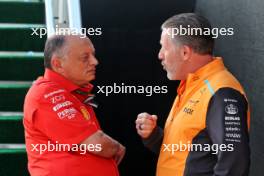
x,y
186,52
56,64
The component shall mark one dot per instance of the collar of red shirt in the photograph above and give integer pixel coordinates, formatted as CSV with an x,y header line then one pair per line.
x,y
65,83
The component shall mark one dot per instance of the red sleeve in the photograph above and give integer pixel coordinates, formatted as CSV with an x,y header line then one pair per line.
x,y
62,121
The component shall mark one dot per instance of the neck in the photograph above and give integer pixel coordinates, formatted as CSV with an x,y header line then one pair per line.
x,y
202,60
197,62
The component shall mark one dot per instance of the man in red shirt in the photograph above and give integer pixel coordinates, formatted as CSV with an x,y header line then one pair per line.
x,y
63,136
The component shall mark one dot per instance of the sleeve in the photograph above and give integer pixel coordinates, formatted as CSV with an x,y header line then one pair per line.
x,y
154,141
227,124
62,121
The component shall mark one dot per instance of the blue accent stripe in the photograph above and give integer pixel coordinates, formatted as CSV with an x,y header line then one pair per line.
x,y
209,86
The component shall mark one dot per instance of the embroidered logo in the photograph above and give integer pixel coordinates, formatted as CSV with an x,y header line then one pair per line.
x,y
188,110
231,109
67,113
85,113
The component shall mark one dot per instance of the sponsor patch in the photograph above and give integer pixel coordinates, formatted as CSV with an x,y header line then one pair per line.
x,y
61,105
57,98
231,109
67,113
53,93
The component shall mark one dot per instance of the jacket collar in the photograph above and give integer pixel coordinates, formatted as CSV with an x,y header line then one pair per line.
x,y
201,74
65,83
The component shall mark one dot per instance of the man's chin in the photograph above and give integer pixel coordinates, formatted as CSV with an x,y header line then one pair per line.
x,y
169,76
172,77
91,78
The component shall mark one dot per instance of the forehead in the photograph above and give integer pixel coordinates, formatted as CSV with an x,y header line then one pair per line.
x,y
164,37
77,43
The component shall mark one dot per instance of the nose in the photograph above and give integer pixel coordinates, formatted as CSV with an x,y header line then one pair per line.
x,y
160,55
94,61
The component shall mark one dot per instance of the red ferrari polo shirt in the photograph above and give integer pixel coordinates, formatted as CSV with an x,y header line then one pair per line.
x,y
56,120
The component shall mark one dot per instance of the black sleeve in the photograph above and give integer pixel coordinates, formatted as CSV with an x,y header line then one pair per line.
x,y
154,141
226,123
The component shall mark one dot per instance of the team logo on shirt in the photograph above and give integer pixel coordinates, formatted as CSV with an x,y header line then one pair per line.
x,y
194,102
188,110
231,109
85,113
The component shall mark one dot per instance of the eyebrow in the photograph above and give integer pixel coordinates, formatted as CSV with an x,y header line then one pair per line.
x,y
93,50
88,53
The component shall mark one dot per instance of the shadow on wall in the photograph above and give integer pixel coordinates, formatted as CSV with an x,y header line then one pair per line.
x,y
243,55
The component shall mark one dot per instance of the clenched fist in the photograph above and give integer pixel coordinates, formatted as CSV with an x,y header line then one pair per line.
x,y
145,124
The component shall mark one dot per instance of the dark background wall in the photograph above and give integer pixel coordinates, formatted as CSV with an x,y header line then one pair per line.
x,y
244,56
127,51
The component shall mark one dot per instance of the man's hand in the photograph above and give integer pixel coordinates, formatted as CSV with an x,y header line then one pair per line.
x,y
145,124
120,154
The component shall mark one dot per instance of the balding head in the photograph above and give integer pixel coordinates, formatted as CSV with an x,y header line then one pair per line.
x,y
60,45
72,57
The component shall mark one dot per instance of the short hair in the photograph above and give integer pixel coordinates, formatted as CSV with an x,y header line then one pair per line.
x,y
54,45
202,44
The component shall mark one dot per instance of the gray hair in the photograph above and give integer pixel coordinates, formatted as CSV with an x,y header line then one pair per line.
x,y
202,44
54,45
